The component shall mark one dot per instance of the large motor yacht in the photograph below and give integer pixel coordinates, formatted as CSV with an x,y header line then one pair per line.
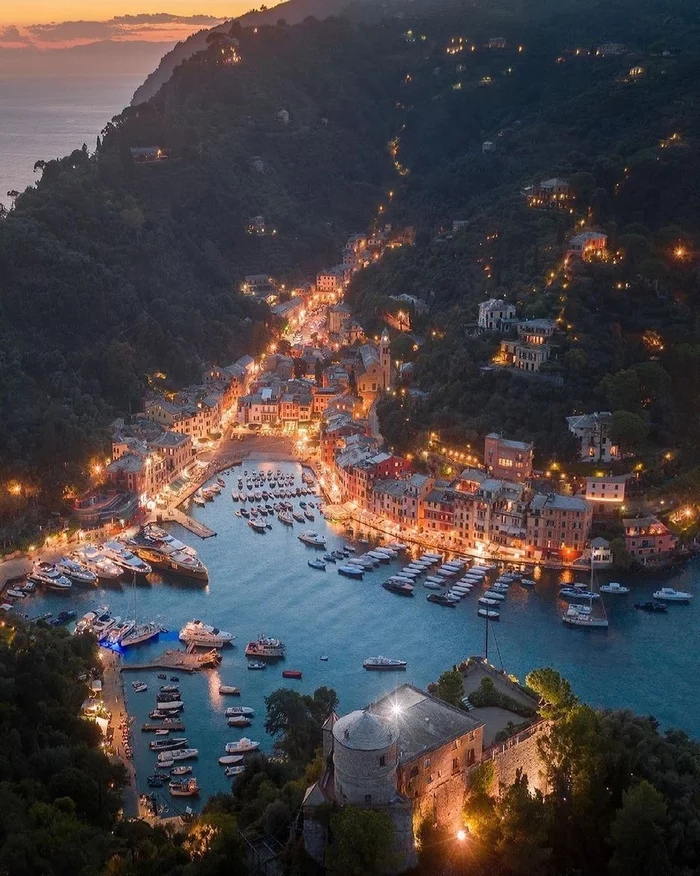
x,y
97,562
200,634
76,572
48,576
170,559
123,557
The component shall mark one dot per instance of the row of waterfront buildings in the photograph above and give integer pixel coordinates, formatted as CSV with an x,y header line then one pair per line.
x,y
497,510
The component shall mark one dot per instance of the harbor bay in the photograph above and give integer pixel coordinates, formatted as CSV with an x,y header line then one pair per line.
x,y
262,584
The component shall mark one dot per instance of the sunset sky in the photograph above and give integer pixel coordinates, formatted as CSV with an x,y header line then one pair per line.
x,y
57,24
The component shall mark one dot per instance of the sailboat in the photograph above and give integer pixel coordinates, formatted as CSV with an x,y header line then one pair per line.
x,y
140,633
582,615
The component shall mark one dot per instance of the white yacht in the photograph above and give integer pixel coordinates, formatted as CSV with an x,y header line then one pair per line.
x,y
103,623
244,744
141,633
48,576
97,562
668,594
614,587
234,711
178,754
123,557
582,616
312,538
76,572
171,559
200,634
117,633
383,664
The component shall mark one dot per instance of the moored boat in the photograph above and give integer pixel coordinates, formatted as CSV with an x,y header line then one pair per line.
x,y
76,572
183,787
197,633
265,648
350,571
383,664
402,588
291,673
614,587
243,746
124,558
225,689
668,594
49,577
489,614
312,538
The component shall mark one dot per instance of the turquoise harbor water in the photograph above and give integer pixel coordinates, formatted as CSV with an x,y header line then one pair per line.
x,y
262,584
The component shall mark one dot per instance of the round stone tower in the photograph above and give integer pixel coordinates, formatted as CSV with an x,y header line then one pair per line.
x,y
365,755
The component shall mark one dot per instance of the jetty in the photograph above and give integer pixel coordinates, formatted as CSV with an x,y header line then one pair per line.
x,y
174,515
183,661
151,727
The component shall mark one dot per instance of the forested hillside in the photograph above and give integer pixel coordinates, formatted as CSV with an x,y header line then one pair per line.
x,y
111,269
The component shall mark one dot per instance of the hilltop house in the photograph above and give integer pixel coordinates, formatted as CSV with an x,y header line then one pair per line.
x,y
593,434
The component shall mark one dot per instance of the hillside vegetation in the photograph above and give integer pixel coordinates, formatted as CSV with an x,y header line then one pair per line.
x,y
112,269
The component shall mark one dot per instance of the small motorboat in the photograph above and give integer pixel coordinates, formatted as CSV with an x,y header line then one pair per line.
x,y
441,599
162,676
239,721
232,771
668,594
231,759
291,673
651,607
241,747
257,526
329,558
317,564
527,582
489,614
484,600
139,686
239,710
227,689
257,664
174,678
402,588
181,771
614,587
324,658
351,571
183,787
578,592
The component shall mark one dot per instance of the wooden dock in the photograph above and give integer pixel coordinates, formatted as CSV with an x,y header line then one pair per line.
x,y
150,727
182,661
174,515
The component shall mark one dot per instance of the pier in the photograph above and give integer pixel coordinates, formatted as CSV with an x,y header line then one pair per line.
x,y
182,661
174,515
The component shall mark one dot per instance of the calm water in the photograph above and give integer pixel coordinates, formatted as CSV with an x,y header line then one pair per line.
x,y
262,584
44,118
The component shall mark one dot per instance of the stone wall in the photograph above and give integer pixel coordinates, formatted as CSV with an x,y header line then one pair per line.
x,y
520,752
436,781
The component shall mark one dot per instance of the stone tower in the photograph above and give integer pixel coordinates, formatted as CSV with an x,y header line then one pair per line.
x,y
365,757
385,359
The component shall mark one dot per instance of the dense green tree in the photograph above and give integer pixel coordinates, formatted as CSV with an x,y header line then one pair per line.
x,y
362,842
450,687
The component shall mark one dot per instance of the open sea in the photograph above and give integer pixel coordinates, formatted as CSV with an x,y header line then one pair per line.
x,y
262,584
47,117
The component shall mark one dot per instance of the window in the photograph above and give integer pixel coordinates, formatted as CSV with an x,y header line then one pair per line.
x,y
382,761
368,799
455,765
427,763
454,744
471,757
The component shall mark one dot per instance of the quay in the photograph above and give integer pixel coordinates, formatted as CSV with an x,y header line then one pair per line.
x,y
173,725
174,515
183,661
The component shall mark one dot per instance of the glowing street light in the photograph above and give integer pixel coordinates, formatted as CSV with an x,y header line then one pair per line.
x,y
461,835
